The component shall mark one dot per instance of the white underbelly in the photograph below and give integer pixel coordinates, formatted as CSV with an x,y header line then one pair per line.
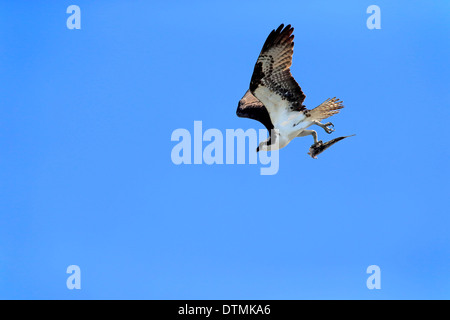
x,y
290,126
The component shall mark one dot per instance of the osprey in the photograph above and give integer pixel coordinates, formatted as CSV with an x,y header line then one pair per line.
x,y
276,100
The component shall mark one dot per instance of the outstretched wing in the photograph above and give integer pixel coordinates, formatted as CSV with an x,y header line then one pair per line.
x,y
272,82
250,107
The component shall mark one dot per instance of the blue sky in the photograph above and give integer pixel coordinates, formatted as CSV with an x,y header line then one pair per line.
x,y
86,176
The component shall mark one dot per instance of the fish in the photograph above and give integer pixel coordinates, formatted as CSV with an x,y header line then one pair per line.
x,y
319,147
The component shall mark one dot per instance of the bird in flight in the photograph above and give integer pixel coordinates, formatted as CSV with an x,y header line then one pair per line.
x,y
276,100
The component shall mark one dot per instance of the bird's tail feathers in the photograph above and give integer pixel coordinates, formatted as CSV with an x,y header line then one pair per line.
x,y
326,109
